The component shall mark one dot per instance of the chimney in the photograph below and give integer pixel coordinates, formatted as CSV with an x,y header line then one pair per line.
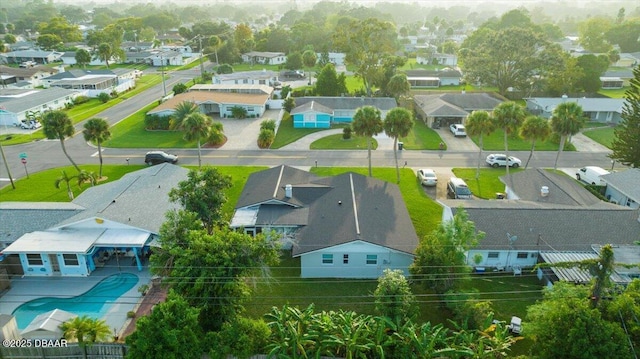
x,y
288,191
544,191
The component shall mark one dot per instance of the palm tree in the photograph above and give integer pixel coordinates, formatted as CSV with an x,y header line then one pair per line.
x,y
196,126
85,331
398,123
534,128
398,85
182,110
566,120
309,59
367,122
97,130
56,125
81,177
216,134
508,116
479,123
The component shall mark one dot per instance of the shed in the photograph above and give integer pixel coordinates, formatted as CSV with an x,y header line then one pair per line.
x,y
47,325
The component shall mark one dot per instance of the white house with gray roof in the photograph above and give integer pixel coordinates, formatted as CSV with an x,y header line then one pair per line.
x,y
449,108
120,218
265,58
623,187
606,110
345,226
15,104
260,77
37,56
321,112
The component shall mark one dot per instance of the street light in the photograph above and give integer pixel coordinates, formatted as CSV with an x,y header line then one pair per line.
x,y
164,86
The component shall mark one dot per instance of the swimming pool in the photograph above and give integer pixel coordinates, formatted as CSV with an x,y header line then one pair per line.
x,y
95,302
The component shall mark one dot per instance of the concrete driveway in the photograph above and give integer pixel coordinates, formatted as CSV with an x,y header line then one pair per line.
x,y
243,134
458,144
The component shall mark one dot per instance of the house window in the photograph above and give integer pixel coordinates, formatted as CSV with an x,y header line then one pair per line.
x,y
34,259
70,259
493,255
372,259
534,255
345,259
523,255
630,202
327,259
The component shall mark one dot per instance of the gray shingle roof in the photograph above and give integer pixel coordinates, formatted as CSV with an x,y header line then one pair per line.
x,y
562,189
139,199
77,73
34,98
349,103
587,104
311,106
434,73
18,218
433,105
455,104
627,182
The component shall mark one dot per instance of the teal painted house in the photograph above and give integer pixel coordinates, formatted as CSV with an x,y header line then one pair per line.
x,y
321,112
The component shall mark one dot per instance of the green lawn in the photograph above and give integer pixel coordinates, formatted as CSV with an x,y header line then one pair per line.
x,y
488,184
39,187
354,84
239,175
421,137
248,67
602,135
617,93
495,142
336,142
287,134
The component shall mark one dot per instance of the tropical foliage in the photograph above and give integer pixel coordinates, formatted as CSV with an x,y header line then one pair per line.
x,y
367,123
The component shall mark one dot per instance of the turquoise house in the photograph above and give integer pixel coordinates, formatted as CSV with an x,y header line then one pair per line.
x,y
321,112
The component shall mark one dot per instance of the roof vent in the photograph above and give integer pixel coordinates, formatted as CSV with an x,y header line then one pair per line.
x,y
339,203
288,191
544,191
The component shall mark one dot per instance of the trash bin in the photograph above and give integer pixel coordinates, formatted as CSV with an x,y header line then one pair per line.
x,y
400,146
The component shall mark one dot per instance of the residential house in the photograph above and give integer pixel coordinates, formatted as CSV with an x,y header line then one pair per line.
x,y
321,112
260,77
220,100
449,108
623,187
264,58
624,75
33,75
69,59
16,104
37,56
336,58
433,79
120,218
605,110
94,82
137,46
611,83
166,58
345,226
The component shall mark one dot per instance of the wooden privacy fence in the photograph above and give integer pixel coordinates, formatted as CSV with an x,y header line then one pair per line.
x,y
72,351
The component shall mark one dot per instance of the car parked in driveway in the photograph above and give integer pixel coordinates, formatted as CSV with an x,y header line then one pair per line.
x,y
458,130
500,160
30,125
155,157
427,177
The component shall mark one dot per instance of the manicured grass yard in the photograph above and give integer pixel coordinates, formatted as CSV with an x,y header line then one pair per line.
x,y
495,142
602,135
488,184
421,137
616,93
287,134
336,142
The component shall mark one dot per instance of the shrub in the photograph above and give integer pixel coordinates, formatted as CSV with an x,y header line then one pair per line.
x,y
114,94
299,92
80,99
346,133
224,69
179,88
131,314
268,125
216,136
239,112
265,138
467,308
104,97
285,91
289,104
155,122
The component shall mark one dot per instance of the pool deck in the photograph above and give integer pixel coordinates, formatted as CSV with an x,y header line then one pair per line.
x,y
24,289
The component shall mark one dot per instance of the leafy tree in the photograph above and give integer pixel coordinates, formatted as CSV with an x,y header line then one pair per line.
x,y
173,232
294,61
182,111
241,338
196,126
59,27
105,53
97,130
170,331
103,97
534,128
86,330
623,34
328,83
179,88
398,123
83,57
161,21
479,123
440,257
309,59
398,86
626,142
367,123
203,192
243,37
592,68
9,39
56,125
592,34
366,43
224,69
563,325
567,120
49,41
289,104
508,116
393,296
565,78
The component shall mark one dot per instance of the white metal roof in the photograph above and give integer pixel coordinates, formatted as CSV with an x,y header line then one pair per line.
x,y
48,322
122,238
56,241
244,217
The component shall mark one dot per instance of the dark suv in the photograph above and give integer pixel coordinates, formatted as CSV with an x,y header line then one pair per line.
x,y
155,157
294,73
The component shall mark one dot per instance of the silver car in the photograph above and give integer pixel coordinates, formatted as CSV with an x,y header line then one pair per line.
x,y
427,177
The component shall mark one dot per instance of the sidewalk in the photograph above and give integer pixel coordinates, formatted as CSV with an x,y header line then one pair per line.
x,y
585,144
303,144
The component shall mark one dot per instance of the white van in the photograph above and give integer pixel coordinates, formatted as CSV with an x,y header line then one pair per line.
x,y
591,175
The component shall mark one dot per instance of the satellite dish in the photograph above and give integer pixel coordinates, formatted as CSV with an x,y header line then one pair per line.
x,y
511,238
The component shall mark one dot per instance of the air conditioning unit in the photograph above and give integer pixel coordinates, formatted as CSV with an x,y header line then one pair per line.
x,y
384,261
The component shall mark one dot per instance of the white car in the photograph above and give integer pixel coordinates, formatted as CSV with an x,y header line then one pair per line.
x,y
30,125
500,160
458,130
427,177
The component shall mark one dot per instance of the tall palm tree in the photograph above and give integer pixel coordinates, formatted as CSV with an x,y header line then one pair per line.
x,y
309,59
479,123
398,123
56,125
567,120
398,86
508,116
534,128
97,130
182,110
367,123
196,126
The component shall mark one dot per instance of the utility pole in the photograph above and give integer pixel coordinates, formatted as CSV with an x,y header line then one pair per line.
x,y
164,86
201,54
6,164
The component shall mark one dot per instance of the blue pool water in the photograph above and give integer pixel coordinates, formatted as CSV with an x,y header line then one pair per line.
x,y
94,303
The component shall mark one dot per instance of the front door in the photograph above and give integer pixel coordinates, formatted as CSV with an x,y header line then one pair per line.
x,y
55,267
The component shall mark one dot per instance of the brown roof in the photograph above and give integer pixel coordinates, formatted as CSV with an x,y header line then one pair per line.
x,y
226,98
